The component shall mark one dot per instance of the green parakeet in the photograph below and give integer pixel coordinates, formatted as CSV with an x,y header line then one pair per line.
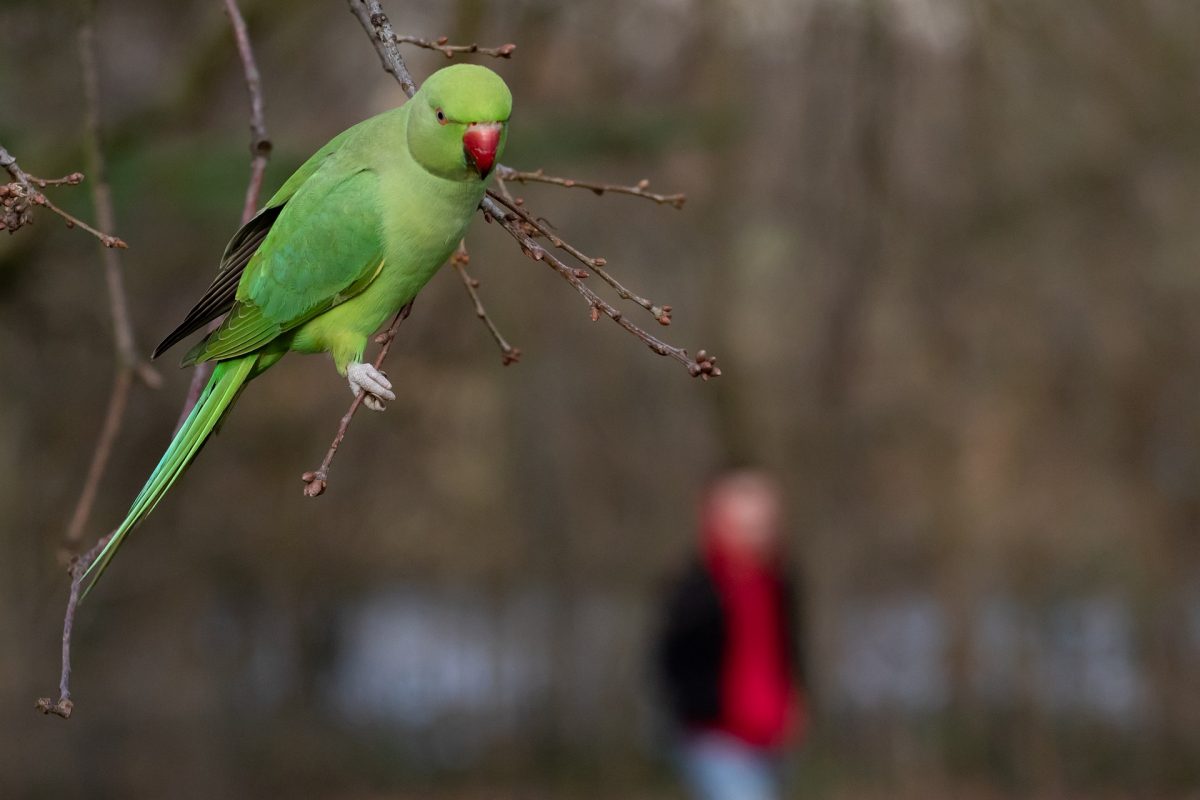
x,y
350,238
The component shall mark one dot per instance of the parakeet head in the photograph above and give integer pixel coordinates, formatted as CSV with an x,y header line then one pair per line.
x,y
458,122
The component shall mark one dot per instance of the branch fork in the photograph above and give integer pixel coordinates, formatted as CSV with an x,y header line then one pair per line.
x,y
18,197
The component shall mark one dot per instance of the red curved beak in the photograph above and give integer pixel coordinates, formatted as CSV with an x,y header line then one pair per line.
x,y
480,143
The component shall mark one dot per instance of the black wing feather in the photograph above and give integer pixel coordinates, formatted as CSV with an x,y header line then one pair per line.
x,y
219,297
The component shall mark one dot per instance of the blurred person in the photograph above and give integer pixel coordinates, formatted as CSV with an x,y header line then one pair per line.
x,y
729,652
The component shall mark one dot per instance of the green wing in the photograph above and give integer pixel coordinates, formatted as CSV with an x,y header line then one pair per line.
x,y
222,293
325,247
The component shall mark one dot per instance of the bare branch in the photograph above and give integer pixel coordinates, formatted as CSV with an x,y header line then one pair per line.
x,y
316,480
260,143
128,363
702,366
102,199
118,399
460,260
637,190
17,197
451,50
79,566
542,228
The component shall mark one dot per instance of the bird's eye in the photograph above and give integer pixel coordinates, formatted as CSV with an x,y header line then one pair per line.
x,y
441,116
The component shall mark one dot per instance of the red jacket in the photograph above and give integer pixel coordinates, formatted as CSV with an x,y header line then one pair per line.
x,y
758,694
729,653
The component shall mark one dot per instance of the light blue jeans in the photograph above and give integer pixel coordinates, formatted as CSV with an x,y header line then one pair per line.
x,y
720,767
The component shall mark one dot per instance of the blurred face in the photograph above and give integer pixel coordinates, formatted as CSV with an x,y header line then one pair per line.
x,y
745,510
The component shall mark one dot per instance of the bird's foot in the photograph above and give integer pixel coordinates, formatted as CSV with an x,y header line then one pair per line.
x,y
366,378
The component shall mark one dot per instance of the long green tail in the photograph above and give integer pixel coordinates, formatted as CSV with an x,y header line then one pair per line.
x,y
227,380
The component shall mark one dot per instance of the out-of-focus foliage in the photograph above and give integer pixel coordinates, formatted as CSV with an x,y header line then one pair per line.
x,y
946,252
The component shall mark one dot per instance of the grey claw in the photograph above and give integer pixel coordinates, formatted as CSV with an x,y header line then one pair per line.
x,y
366,378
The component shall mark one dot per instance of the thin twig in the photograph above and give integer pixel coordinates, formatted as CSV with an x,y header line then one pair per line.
x,y
74,179
637,190
451,50
316,480
111,242
79,566
460,260
260,153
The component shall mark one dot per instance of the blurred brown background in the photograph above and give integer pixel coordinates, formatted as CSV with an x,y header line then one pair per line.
x,y
946,253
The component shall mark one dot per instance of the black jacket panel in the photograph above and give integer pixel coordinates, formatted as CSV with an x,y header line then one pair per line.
x,y
691,646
